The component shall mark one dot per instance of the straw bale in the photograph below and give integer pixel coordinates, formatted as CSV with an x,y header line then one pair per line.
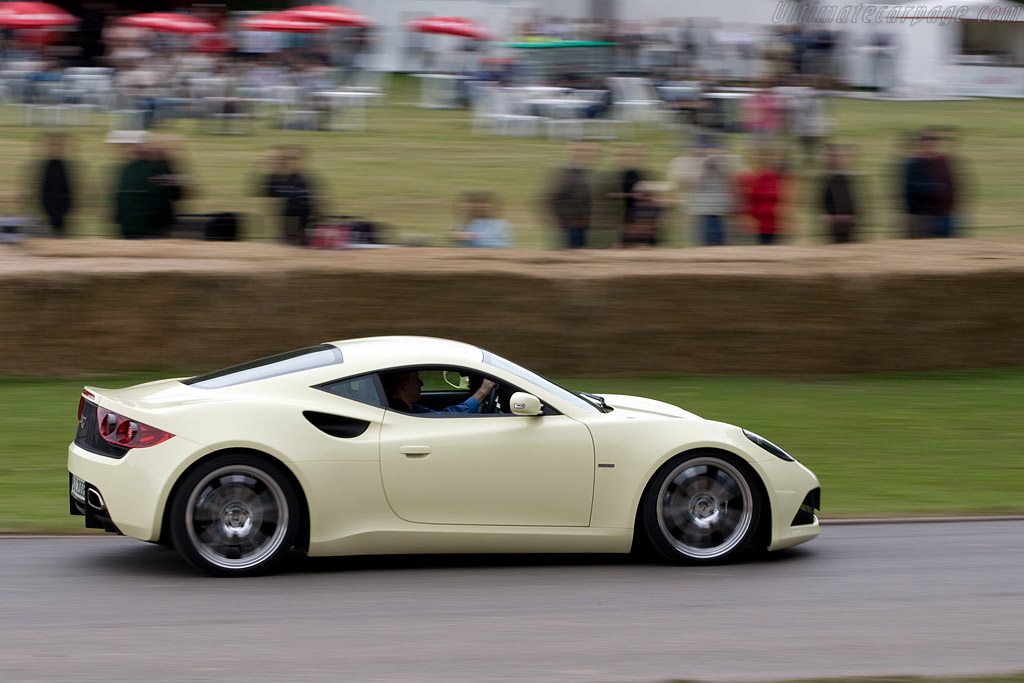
x,y
70,307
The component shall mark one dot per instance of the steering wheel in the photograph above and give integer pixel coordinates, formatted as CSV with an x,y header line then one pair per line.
x,y
490,400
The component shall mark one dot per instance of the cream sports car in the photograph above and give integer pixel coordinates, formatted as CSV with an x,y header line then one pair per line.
x,y
420,445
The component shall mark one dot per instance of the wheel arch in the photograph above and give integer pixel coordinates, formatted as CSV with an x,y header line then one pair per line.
x,y
762,536
301,540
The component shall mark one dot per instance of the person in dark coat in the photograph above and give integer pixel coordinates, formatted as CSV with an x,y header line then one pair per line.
x,y
287,182
931,188
169,185
839,195
571,199
925,187
56,196
946,176
141,194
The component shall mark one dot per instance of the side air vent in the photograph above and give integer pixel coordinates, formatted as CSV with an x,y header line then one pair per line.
x,y
336,425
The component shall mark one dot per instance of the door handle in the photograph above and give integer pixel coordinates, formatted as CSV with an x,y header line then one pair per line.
x,y
414,451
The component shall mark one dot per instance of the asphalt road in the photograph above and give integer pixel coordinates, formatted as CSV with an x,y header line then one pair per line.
x,y
929,599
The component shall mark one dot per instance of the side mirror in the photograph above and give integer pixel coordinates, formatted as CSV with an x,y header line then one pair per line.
x,y
523,403
456,380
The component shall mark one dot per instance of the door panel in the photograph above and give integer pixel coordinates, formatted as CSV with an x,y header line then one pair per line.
x,y
488,469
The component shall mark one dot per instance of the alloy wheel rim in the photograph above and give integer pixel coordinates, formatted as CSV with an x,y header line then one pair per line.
x,y
705,508
236,517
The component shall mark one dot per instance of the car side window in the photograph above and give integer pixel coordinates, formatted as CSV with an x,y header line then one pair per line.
x,y
364,388
444,392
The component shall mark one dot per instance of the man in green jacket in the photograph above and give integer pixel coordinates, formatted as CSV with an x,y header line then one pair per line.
x,y
144,190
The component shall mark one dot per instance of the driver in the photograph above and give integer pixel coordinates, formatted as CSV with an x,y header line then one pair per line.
x,y
403,390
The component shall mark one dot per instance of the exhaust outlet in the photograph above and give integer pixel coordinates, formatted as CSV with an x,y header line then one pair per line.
x,y
95,499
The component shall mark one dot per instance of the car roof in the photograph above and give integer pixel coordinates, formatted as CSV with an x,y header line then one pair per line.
x,y
372,353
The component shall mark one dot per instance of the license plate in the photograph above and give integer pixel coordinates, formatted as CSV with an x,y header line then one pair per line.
x,y
78,487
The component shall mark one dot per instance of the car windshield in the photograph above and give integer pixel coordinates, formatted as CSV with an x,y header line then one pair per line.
x,y
575,398
272,366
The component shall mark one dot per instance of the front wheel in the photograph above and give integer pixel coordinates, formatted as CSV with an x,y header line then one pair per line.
x,y
235,515
702,508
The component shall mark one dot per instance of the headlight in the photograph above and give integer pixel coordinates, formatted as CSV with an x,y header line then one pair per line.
x,y
769,446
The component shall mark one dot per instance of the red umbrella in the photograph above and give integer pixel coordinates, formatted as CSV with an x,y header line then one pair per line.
x,y
452,26
166,22
281,23
330,14
34,15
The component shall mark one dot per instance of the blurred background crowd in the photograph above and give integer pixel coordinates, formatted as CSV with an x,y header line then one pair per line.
x,y
680,131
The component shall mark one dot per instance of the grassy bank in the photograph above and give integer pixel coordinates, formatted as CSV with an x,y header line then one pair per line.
x,y
883,445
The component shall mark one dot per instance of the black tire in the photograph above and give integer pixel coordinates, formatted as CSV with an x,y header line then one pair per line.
x,y
237,514
701,507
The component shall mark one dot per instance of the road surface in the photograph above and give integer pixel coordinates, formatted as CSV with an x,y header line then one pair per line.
x,y
928,599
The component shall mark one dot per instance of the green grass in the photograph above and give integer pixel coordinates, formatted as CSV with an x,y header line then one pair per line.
x,y
412,163
882,445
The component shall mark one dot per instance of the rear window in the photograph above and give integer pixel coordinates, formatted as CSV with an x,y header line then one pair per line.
x,y
271,366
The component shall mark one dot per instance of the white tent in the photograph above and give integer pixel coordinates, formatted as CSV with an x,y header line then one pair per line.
x,y
974,48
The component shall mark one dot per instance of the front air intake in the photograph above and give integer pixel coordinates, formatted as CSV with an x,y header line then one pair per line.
x,y
805,515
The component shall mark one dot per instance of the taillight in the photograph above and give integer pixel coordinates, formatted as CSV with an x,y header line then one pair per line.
x,y
123,431
81,402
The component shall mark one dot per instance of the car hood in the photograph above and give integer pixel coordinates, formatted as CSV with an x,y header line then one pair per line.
x,y
638,404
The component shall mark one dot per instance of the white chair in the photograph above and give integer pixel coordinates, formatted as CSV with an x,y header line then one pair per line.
x,y
96,88
565,118
347,108
46,98
257,98
485,107
370,81
294,109
600,127
634,100
438,91
512,116
124,115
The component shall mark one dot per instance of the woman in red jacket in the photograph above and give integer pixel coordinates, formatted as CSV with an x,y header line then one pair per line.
x,y
762,195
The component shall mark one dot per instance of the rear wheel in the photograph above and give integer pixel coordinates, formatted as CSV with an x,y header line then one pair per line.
x,y
235,515
702,508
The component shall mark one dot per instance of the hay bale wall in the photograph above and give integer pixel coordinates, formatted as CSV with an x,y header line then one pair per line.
x,y
92,307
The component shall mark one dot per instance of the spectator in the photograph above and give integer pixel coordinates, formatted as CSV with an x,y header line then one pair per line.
x,y
762,194
55,189
288,182
763,114
631,160
903,167
644,226
141,197
710,179
929,189
483,228
810,118
839,196
946,168
571,199
171,185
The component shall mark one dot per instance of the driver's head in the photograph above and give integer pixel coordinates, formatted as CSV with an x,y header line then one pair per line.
x,y
404,385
